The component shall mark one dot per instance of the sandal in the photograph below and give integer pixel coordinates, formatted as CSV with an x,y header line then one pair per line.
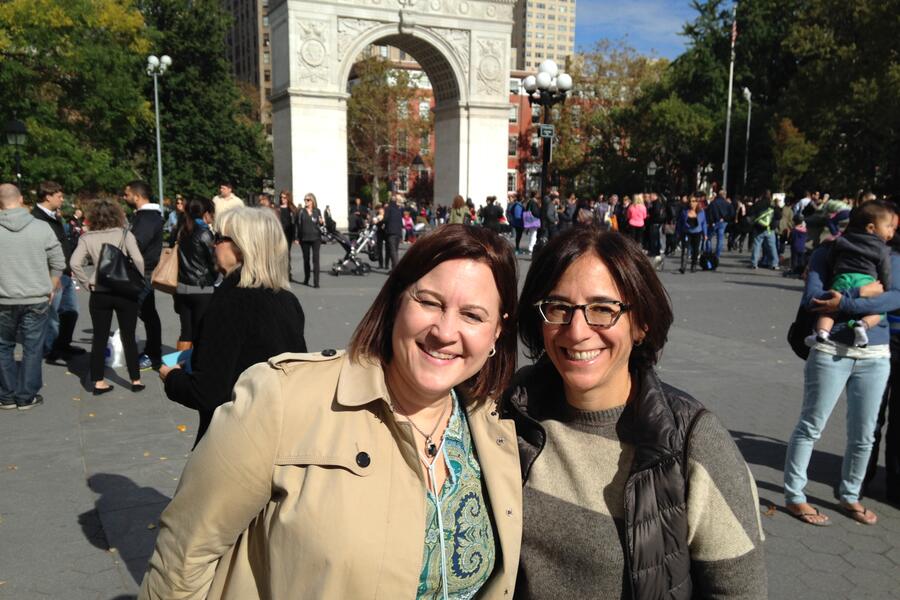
x,y
863,516
808,517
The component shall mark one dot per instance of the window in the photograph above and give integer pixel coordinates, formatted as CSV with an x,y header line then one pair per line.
x,y
266,58
402,109
551,17
266,21
512,181
402,55
536,113
535,145
403,179
513,149
540,36
538,25
383,51
424,144
424,109
562,9
401,143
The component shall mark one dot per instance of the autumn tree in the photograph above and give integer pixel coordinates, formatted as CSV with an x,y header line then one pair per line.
x,y
73,72
382,127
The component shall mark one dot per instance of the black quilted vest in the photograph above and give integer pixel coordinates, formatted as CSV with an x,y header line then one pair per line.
x,y
657,422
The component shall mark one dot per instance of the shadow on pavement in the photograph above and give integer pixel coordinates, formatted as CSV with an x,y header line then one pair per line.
x,y
126,518
777,286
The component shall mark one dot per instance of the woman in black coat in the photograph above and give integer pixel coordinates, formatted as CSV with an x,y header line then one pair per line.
x,y
252,316
309,219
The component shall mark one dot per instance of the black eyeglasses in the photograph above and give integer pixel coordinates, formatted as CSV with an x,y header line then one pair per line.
x,y
597,314
218,238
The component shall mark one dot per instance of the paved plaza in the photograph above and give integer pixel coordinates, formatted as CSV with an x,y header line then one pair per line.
x,y
83,479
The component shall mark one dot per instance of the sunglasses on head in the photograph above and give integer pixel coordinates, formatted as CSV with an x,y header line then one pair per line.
x,y
218,238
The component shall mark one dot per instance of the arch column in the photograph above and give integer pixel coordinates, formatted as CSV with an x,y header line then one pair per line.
x,y
311,150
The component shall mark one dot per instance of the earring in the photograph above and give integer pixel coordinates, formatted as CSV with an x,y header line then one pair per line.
x,y
492,352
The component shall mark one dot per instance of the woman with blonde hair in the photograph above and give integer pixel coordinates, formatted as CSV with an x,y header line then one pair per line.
x,y
309,219
252,315
107,226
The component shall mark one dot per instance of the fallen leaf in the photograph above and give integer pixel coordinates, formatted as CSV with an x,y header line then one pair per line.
x,y
163,458
12,468
770,511
151,526
92,415
76,398
146,454
2,583
69,373
181,428
112,550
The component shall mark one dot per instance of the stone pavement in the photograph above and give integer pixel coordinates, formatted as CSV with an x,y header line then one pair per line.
x,y
83,479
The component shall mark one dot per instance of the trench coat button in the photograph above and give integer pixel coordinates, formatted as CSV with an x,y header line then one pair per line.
x,y
363,460
508,512
493,413
500,441
329,352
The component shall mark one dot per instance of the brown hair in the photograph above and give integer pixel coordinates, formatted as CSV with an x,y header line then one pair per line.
x,y
104,213
458,201
48,188
372,338
650,307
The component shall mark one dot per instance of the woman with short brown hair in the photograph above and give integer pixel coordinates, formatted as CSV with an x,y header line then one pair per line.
x,y
386,472
626,477
106,221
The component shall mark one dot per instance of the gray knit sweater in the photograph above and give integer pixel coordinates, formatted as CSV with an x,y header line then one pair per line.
x,y
30,255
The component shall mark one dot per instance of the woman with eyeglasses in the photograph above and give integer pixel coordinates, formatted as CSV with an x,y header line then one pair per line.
x,y
251,317
309,219
631,488
197,272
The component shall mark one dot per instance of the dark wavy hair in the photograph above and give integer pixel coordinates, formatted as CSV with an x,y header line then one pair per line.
x,y
372,338
632,272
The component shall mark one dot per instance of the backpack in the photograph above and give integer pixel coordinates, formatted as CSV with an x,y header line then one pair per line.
x,y
804,321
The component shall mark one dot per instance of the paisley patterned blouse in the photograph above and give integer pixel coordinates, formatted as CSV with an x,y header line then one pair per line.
x,y
460,518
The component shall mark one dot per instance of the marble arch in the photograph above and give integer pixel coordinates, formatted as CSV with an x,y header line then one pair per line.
x,y
464,48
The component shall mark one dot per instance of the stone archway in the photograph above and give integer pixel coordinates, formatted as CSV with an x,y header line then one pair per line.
x,y
462,45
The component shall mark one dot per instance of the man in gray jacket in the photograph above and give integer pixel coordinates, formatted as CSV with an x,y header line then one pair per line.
x,y
29,273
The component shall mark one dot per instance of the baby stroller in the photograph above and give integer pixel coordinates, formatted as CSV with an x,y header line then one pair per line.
x,y
363,245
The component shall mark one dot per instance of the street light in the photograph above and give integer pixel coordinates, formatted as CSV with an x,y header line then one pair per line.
x,y
155,68
16,134
651,172
547,87
748,97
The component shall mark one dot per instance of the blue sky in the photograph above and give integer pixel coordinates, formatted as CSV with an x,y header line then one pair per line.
x,y
646,25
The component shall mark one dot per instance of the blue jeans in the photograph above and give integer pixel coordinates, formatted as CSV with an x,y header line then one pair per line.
x,y
64,300
718,229
825,376
28,322
767,237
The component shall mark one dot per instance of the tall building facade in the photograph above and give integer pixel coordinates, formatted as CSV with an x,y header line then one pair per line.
x,y
543,29
249,52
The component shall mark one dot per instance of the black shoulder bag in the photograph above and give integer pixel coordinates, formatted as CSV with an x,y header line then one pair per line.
x,y
116,271
805,321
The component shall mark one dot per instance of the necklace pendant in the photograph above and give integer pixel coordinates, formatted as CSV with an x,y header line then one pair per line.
x,y
430,448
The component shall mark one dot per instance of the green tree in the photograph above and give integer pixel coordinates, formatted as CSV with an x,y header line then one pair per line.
x,y
208,132
71,71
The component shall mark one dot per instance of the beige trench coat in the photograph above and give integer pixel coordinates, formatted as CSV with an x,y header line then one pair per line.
x,y
306,487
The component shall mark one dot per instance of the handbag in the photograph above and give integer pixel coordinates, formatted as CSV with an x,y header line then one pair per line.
x,y
165,275
531,221
801,327
116,271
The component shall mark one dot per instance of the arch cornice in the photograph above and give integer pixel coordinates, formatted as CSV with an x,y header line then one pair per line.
x,y
449,44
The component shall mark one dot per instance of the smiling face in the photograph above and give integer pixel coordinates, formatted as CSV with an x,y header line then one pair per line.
x,y
446,324
593,362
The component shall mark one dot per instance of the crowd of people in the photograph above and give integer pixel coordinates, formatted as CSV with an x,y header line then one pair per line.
x,y
478,479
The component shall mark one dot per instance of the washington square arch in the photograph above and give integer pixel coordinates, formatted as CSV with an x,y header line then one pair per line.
x,y
462,45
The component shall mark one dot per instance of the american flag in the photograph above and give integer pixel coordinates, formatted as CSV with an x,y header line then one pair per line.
x,y
734,27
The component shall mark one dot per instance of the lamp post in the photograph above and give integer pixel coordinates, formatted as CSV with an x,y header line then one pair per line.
x,y
651,173
16,134
155,68
547,87
748,97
